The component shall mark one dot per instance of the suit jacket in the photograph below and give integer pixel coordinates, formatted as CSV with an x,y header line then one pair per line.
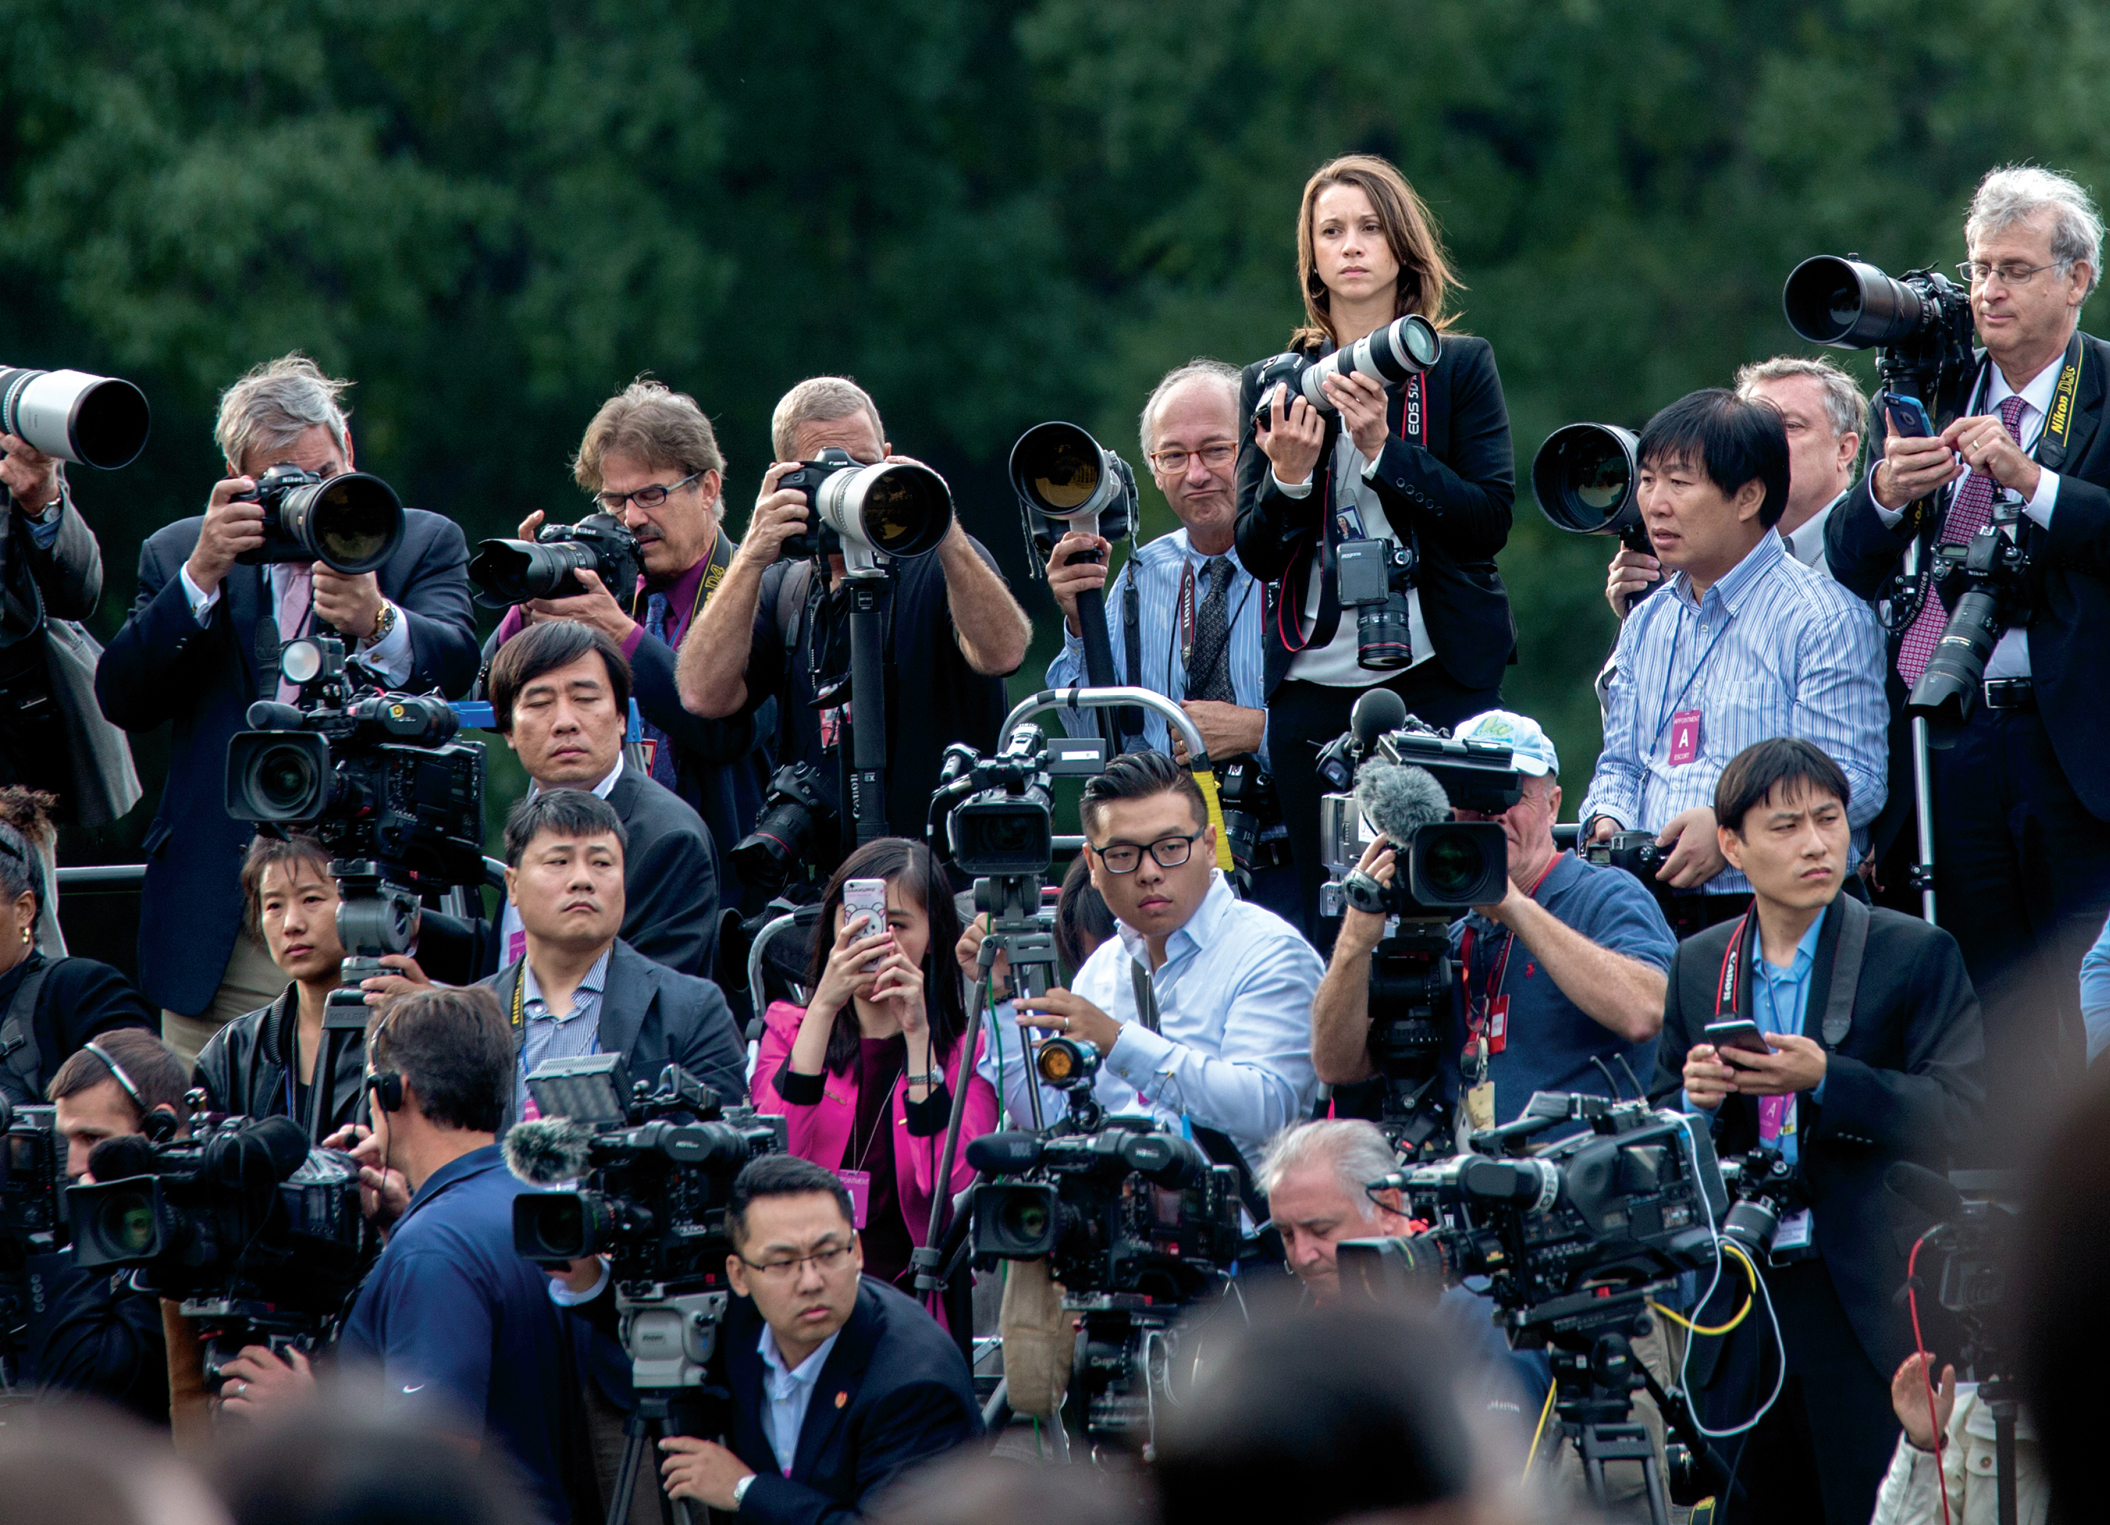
x,y
1902,1085
2069,629
654,1017
1454,497
893,1393
161,666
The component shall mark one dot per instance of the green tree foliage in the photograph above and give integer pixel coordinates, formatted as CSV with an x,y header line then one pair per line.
x,y
493,214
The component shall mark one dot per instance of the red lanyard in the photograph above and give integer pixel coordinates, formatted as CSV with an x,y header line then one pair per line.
x,y
1732,969
1476,1013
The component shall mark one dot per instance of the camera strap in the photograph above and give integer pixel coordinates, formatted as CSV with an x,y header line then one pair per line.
x,y
1732,988
18,1039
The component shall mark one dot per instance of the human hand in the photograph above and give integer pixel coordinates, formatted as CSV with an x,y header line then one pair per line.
x,y
1628,577
1695,851
779,515
351,604
1914,466
1908,1399
1361,931
384,1194
1707,1079
596,607
1601,828
1361,400
582,1275
410,978
28,473
702,1470
1795,1064
1988,448
529,525
1072,1016
899,985
968,951
231,528
1068,577
1292,437
844,975
258,1382
1228,730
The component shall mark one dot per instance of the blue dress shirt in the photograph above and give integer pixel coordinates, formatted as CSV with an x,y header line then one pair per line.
x,y
1779,999
786,1393
549,1035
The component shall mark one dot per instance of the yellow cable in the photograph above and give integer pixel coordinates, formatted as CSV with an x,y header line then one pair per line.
x,y
1683,1322
1539,1434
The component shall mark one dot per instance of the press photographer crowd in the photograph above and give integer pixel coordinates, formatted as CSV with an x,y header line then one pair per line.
x,y
801,1123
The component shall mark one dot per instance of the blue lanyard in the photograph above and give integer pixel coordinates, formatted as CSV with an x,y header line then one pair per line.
x,y
1663,715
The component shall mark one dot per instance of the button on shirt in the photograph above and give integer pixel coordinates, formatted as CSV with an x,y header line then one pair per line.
x,y
1233,1049
549,1035
1158,570
786,1393
1773,649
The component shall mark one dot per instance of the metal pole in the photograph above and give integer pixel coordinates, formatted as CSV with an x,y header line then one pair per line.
x,y
1922,779
1111,698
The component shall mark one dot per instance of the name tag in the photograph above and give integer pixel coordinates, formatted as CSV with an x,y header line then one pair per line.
x,y
859,1185
1684,737
1498,1024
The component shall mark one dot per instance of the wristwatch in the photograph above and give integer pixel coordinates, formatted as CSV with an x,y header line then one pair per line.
x,y
384,624
740,1490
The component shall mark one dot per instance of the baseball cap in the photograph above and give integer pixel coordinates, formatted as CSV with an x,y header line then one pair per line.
x,y
1530,747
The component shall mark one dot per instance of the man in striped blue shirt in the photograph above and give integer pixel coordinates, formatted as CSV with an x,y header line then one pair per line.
x,y
1746,644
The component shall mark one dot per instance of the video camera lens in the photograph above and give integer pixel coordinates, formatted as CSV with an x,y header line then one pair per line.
x,y
1459,865
93,420
556,1227
1585,477
1017,1221
278,776
995,833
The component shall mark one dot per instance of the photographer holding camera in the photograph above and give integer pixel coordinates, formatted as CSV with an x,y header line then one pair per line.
x,y
777,630
2022,792
90,1331
1745,643
1563,977
651,460
189,654
1839,1039
1417,475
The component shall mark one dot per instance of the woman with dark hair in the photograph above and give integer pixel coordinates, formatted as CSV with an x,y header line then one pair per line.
x,y
1422,464
864,1074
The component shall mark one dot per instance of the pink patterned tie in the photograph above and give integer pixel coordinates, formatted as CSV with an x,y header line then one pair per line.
x,y
295,603
1969,512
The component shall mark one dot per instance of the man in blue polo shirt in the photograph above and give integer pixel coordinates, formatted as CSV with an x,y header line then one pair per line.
x,y
1561,983
459,1324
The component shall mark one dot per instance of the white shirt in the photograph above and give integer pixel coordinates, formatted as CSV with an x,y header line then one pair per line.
x,y
1806,544
786,1393
512,935
1334,664
2010,659
390,656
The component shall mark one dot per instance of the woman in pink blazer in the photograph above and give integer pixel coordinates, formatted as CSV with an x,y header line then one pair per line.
x,y
864,1074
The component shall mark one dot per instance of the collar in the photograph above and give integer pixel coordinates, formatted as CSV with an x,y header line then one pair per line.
x,y
2036,392
1199,930
1805,953
681,593
1806,544
1735,586
808,1371
475,1163
595,982
601,788
1198,559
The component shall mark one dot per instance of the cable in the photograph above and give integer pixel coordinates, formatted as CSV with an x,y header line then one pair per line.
x,y
1919,1345
1685,1323
1531,1457
1719,1244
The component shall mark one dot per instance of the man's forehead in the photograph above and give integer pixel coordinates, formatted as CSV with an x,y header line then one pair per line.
x,y
857,434
550,844
1195,411
1143,819
1798,797
794,1219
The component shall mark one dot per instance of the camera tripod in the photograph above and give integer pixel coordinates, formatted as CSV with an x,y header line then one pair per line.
x,y
670,1338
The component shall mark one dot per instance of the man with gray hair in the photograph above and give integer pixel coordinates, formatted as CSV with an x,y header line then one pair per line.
x,y
1315,1177
1183,615
2022,791
775,629
188,654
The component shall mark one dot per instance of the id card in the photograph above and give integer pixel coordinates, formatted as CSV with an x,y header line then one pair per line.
x,y
1684,738
1480,1105
1498,1024
859,1185
1795,1240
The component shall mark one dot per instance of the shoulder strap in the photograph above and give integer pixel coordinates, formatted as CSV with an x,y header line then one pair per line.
x,y
1146,996
18,1038
1129,718
1846,970
791,603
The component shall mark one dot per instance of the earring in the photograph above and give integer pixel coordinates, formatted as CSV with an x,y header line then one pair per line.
x,y
25,937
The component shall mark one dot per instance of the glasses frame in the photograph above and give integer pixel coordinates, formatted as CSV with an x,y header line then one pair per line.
x,y
1152,848
1157,464
1965,268
781,1271
617,502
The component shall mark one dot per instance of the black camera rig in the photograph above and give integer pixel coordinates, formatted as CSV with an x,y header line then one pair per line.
x,y
508,572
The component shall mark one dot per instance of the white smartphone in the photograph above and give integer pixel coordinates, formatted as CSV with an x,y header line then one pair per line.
x,y
865,897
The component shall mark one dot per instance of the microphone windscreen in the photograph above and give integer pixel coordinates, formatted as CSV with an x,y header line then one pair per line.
x,y
548,1151
1004,1153
1378,711
119,1158
1398,799
1925,1189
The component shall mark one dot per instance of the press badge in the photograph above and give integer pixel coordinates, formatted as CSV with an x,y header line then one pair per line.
x,y
1480,1105
858,1183
1498,1024
1794,1241
1684,737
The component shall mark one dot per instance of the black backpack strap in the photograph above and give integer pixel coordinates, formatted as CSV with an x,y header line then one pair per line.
x,y
791,604
1128,717
1846,970
18,1034
1215,1143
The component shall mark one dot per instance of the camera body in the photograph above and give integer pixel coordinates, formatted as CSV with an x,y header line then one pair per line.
x,y
892,510
1374,578
1994,570
1634,851
795,819
1764,1189
1251,807
351,521
508,572
32,1175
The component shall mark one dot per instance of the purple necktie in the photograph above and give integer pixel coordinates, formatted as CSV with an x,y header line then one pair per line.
x,y
296,601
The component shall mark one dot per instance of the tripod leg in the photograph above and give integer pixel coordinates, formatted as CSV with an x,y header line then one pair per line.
x,y
636,1438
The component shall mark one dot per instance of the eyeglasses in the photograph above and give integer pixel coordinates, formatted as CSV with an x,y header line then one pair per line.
x,y
644,497
1215,456
1166,852
826,1261
2011,274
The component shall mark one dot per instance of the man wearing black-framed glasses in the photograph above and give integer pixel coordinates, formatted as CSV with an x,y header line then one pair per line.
x,y
839,1384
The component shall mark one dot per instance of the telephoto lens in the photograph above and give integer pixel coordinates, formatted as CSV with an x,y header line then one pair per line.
x,y
508,572
894,508
1066,474
351,522
92,420
1585,477
1402,348
1850,304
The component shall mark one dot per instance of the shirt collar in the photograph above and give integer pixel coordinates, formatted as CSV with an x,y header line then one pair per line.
x,y
681,597
808,1371
475,1162
594,983
1805,955
1199,930
1806,544
2035,392
1735,586
1197,559
600,789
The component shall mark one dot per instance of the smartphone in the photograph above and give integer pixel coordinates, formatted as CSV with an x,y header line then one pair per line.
x,y
1744,1035
1906,417
865,897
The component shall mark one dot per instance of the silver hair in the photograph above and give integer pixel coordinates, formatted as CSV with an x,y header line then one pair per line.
x,y
1200,368
818,400
1845,404
278,402
2019,192
1354,1148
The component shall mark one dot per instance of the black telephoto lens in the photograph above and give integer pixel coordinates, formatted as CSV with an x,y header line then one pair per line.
x,y
1948,690
1849,304
1584,478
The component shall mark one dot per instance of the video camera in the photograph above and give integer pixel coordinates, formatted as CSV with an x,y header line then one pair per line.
x,y
508,572
32,1211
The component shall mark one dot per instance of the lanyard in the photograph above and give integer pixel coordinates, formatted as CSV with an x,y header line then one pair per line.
x,y
1670,702
1476,1015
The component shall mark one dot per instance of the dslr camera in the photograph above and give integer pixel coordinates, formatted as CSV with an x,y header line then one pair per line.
x,y
795,818
891,510
508,572
352,522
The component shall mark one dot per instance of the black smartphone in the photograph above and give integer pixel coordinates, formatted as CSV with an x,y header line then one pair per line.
x,y
1741,1034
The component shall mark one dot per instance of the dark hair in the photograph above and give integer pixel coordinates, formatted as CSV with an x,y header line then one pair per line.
x,y
1732,440
451,1045
912,866
544,647
1138,776
1787,763
1080,914
572,813
266,853
157,1074
25,828
319,1465
781,1175
1349,1412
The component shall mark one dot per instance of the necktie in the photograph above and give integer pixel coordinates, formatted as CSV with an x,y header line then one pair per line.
x,y
296,602
656,612
1969,512
1209,671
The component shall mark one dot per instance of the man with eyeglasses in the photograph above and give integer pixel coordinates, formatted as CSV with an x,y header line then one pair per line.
x,y
2022,796
1200,1005
650,458
839,1385
1183,615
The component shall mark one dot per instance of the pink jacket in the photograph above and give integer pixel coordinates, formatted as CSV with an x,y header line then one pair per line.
x,y
821,1133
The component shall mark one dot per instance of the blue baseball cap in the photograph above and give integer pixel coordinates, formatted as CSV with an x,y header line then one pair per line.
x,y
1530,747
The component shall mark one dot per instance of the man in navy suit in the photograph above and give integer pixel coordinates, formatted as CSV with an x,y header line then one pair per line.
x,y
188,655
839,1384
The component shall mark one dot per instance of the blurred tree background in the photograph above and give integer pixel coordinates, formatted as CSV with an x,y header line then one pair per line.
x,y
990,212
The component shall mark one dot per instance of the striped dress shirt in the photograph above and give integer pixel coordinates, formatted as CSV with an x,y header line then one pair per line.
x,y
1159,565
1774,649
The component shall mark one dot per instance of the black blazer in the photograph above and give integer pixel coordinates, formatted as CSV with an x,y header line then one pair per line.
x,y
654,1017
893,1393
162,667
1903,1085
80,1000
1454,496
243,1066
2069,635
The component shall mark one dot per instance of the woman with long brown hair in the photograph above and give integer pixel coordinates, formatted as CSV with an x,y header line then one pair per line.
x,y
1422,465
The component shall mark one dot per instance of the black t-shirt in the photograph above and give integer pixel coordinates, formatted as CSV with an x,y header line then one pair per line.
x,y
933,697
